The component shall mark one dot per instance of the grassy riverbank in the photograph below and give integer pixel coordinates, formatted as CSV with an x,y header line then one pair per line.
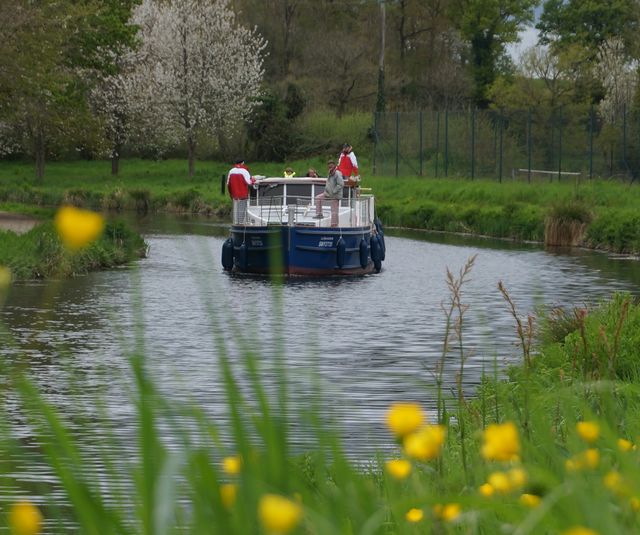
x,y
601,214
560,457
39,253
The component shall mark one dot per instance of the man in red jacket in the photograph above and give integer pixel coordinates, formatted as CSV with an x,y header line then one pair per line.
x,y
238,181
348,166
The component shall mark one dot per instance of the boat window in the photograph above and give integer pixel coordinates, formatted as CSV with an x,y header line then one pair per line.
x,y
296,193
271,190
301,192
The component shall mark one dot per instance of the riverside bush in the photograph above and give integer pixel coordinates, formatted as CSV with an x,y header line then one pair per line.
x,y
40,254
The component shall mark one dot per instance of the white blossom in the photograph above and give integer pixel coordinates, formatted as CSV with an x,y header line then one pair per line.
x,y
619,76
197,69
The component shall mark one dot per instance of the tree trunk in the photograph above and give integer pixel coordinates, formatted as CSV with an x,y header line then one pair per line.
x,y
39,151
191,151
115,161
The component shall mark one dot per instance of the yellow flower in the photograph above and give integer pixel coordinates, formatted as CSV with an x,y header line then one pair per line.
x,y
5,278
404,418
500,482
614,481
278,514
425,444
501,442
587,459
588,431
232,465
623,443
579,530
414,515
399,468
25,519
634,502
530,500
447,512
78,228
228,493
487,490
517,477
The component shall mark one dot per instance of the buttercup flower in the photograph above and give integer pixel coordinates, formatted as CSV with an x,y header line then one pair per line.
x,y
447,512
78,228
587,459
500,483
414,515
25,519
404,418
588,431
278,514
623,443
579,530
530,500
634,502
426,444
487,490
517,477
614,481
501,442
232,465
228,493
399,468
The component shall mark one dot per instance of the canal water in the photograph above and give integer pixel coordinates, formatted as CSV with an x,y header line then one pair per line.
x,y
366,342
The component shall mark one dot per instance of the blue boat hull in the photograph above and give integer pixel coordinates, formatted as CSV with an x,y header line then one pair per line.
x,y
300,250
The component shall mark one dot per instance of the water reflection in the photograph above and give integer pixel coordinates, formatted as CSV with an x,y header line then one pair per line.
x,y
369,340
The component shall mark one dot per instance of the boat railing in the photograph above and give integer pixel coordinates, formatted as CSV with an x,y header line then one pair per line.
x,y
355,210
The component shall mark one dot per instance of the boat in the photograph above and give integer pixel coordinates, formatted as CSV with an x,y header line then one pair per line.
x,y
277,231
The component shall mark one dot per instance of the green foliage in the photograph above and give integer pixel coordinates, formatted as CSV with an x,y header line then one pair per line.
x,y
588,23
325,133
488,27
179,488
618,230
570,210
599,343
269,130
514,210
40,254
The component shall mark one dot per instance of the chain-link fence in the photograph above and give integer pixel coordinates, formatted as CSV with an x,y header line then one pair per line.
x,y
533,144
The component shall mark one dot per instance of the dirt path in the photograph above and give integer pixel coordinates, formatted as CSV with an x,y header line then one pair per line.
x,y
17,223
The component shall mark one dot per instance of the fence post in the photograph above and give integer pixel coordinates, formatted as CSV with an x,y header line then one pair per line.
x,y
421,143
375,140
223,183
560,145
473,142
624,136
397,140
446,141
529,147
500,155
437,140
591,142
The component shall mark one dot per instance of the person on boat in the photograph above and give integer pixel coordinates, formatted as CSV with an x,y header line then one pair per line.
x,y
289,173
348,166
312,173
333,192
239,180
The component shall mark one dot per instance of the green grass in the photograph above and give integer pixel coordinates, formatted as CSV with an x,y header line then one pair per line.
x,y
39,253
514,210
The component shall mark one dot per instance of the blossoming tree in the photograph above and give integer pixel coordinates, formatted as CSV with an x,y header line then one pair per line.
x,y
201,68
